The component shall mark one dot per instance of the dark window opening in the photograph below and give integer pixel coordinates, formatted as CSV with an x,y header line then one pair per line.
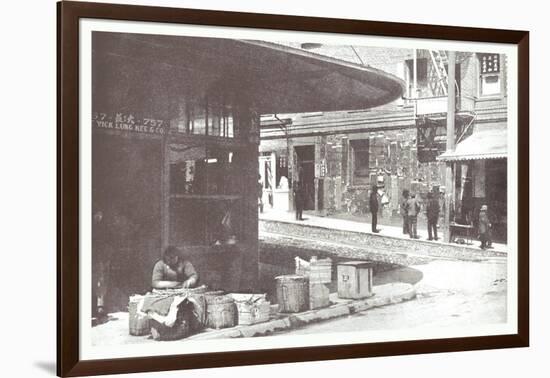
x,y
360,161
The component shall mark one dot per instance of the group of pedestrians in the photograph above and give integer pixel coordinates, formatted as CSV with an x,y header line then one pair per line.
x,y
410,208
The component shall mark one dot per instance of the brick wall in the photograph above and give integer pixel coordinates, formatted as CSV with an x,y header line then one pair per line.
x,y
392,161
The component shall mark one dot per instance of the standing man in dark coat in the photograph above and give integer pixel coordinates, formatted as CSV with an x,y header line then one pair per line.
x,y
484,228
373,206
432,212
298,199
405,211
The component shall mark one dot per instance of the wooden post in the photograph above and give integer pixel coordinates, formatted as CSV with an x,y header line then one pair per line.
x,y
415,84
449,172
165,190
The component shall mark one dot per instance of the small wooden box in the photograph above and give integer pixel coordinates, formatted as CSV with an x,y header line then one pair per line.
x,y
318,295
355,279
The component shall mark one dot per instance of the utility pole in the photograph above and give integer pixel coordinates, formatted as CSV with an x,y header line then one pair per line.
x,y
449,171
414,93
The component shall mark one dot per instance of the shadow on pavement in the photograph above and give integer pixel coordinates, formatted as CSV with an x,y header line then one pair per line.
x,y
47,366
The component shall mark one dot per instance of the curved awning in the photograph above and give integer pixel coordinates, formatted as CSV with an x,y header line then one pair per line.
x,y
137,68
482,144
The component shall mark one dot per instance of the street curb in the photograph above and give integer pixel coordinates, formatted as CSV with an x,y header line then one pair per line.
x,y
384,295
457,247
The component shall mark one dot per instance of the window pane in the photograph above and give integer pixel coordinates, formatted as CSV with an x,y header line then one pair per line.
x,y
198,125
214,121
228,123
361,156
490,85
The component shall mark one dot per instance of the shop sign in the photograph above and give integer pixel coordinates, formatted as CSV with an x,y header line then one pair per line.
x,y
321,168
128,123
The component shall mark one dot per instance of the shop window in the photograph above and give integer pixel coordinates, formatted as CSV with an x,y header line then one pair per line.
x,y
205,194
282,172
490,74
360,161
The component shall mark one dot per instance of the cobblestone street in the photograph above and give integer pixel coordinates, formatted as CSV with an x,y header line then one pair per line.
x,y
450,293
455,285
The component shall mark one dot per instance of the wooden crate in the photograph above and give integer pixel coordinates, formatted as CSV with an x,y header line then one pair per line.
x,y
319,271
318,295
355,279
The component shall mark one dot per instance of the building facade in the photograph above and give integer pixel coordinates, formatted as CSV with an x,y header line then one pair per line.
x,y
341,155
175,136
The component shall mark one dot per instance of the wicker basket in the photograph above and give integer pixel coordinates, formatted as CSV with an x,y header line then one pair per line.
x,y
138,325
252,308
215,293
196,290
221,311
292,293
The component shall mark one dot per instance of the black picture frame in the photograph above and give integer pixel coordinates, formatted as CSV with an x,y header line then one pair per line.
x,y
68,189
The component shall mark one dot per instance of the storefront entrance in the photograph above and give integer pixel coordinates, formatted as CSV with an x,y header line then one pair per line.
x,y
305,159
483,182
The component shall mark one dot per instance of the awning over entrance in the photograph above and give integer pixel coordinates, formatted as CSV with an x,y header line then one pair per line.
x,y
482,144
272,78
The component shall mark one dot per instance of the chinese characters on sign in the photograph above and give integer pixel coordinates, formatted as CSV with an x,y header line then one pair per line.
x,y
490,63
128,122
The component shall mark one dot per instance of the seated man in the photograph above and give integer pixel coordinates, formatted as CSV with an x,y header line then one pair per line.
x,y
174,272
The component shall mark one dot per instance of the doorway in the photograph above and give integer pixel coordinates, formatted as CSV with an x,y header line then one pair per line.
x,y
305,159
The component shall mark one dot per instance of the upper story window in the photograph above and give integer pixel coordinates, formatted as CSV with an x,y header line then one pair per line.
x,y
489,74
421,77
201,119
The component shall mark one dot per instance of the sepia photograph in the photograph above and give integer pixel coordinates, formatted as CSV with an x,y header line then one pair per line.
x,y
271,195
247,188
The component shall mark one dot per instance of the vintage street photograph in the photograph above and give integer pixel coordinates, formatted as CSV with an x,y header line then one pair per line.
x,y
249,189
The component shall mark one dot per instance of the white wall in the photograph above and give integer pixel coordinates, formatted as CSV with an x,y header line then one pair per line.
x,y
27,203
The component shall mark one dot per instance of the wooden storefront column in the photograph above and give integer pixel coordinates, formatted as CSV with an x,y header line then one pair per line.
x,y
450,171
165,192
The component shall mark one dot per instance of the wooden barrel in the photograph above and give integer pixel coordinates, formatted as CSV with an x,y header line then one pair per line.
x,y
221,311
138,325
292,293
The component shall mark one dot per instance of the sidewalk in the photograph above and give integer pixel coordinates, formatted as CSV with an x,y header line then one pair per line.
x,y
364,228
115,332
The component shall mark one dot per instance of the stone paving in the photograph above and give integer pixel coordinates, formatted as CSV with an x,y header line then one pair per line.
x,y
278,245
349,235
